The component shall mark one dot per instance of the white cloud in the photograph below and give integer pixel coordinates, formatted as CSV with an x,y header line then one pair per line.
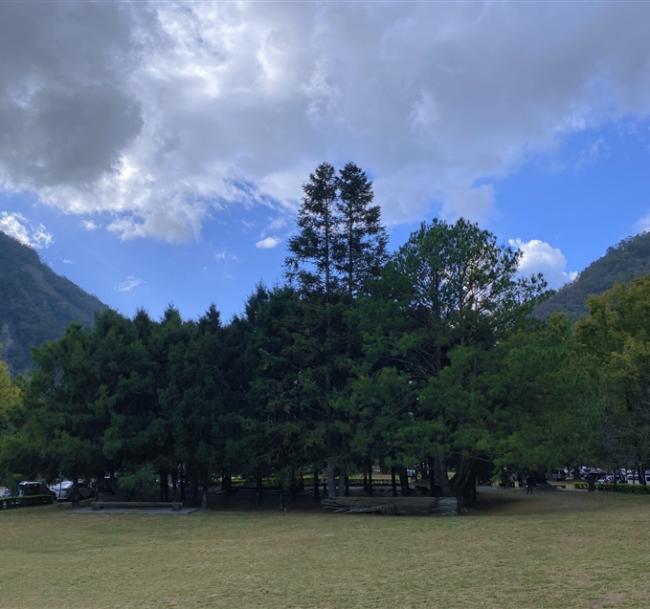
x,y
68,261
267,243
541,257
643,225
277,223
174,110
20,228
129,284
225,255
89,225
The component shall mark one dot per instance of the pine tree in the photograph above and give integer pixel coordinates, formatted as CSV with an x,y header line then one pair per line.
x,y
361,240
312,259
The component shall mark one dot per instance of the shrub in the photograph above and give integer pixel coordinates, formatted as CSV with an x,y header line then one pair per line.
x,y
632,489
141,484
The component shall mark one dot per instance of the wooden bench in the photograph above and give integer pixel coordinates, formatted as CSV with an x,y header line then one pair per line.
x,y
140,505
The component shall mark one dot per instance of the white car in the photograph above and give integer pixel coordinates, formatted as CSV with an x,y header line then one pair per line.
x,y
63,489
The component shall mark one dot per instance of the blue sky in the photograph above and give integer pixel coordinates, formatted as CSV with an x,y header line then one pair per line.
x,y
162,165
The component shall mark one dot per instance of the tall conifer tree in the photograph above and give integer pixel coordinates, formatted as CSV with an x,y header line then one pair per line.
x,y
361,239
312,259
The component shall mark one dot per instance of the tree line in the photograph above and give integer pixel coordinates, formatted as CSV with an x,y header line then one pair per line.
x,y
426,358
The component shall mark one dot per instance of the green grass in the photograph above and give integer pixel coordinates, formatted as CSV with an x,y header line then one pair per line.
x,y
560,550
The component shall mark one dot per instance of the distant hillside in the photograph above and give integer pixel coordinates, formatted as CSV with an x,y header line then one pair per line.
x,y
36,304
630,259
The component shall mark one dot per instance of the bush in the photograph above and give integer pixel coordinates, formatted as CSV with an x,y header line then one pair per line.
x,y
632,489
142,484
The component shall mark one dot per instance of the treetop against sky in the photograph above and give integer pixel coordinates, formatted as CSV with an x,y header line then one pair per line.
x,y
155,152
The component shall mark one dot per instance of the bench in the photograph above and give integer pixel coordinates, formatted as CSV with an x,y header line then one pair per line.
x,y
141,505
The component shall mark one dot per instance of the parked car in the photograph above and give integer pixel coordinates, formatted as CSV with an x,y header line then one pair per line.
x,y
28,488
63,490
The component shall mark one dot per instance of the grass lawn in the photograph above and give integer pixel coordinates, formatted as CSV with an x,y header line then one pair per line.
x,y
560,550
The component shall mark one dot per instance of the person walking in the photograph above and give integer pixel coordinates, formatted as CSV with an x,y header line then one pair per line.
x,y
530,484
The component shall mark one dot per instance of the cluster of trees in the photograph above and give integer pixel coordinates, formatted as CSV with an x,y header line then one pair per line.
x,y
428,357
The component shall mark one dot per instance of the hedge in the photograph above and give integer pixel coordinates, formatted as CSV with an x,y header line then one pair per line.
x,y
25,501
635,489
632,489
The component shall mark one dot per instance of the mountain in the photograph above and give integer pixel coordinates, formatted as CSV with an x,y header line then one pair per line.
x,y
628,260
36,304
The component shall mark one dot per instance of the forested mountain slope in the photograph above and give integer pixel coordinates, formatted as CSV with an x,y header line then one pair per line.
x,y
628,260
36,304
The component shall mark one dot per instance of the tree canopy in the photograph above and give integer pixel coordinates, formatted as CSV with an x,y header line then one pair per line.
x,y
426,359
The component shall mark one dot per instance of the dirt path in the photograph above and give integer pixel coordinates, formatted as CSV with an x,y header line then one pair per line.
x,y
508,502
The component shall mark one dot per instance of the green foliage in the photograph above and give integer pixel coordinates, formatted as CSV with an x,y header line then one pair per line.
x,y
427,358
543,388
630,489
141,483
446,298
10,394
616,338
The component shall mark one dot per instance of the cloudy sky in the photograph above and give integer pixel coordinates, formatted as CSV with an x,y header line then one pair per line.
x,y
154,153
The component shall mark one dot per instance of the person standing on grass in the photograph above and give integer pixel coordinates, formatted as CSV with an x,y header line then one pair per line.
x,y
530,483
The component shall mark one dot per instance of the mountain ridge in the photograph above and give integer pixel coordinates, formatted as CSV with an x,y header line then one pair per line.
x,y
623,262
36,304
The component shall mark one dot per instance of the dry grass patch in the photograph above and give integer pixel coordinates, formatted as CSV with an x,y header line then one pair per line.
x,y
562,550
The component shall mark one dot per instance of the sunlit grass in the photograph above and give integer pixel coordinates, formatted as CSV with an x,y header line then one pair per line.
x,y
561,550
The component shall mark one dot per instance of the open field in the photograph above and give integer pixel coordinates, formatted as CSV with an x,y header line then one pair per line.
x,y
560,550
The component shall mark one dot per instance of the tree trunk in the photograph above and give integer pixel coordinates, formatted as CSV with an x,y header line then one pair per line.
x,y
316,485
260,489
404,482
340,483
440,476
204,498
641,474
175,484
183,482
434,489
75,492
195,488
465,481
164,484
226,486
329,473
293,487
370,489
393,481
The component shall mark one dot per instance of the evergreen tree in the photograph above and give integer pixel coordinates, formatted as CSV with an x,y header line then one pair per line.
x,y
361,238
312,259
